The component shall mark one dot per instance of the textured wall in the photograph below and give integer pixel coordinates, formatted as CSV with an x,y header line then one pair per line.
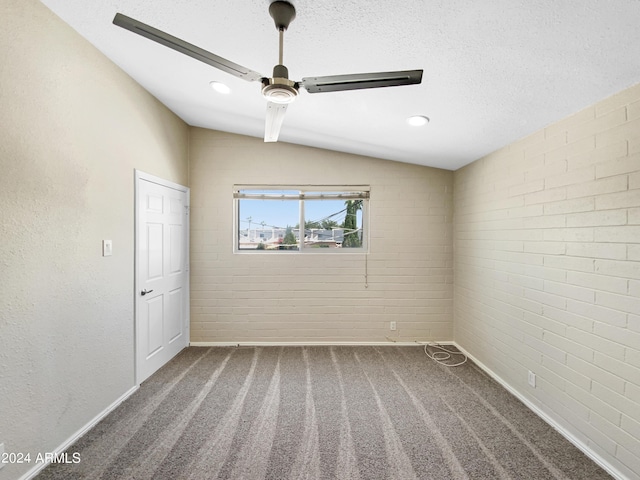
x,y
316,297
547,269
74,127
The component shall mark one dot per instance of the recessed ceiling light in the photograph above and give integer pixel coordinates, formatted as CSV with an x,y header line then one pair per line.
x,y
417,120
220,87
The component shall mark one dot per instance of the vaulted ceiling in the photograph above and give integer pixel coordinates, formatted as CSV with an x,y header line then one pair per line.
x,y
494,71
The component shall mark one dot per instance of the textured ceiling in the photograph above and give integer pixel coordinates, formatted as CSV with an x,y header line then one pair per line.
x,y
494,71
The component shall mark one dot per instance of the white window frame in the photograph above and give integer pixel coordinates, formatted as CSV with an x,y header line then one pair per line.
x,y
346,192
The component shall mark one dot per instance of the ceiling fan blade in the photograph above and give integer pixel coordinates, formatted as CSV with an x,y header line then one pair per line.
x,y
275,116
184,47
335,83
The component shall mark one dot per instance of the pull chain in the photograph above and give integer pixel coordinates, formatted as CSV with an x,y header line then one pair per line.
x,y
366,271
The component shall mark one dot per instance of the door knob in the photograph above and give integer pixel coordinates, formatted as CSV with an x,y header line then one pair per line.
x,y
145,291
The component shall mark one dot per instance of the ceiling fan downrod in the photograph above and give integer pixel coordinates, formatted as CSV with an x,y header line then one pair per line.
x,y
279,89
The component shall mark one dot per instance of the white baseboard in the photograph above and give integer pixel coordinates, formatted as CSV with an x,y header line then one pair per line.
x,y
38,467
316,344
556,426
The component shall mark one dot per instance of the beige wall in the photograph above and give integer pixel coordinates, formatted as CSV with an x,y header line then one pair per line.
x,y
74,127
318,297
547,272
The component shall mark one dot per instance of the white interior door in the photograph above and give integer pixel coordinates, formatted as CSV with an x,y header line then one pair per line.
x,y
162,272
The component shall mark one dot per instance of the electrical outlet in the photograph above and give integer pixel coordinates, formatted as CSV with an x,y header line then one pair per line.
x,y
392,326
532,379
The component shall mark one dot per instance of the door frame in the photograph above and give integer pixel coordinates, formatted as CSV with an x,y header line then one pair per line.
x,y
139,176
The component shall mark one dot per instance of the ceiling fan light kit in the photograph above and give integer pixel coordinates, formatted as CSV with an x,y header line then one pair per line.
x,y
279,90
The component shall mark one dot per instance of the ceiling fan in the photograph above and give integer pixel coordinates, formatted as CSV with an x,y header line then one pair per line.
x,y
278,90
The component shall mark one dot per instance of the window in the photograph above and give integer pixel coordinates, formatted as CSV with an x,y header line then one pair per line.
x,y
315,219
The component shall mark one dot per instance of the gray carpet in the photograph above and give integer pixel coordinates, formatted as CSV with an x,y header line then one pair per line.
x,y
322,413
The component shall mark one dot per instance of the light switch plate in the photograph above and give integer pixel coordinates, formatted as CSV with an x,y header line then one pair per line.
x,y
107,248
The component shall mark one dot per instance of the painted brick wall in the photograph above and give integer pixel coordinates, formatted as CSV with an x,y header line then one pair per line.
x,y
547,272
317,297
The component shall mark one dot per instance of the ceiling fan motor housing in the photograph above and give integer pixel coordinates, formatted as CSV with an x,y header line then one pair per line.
x,y
279,89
